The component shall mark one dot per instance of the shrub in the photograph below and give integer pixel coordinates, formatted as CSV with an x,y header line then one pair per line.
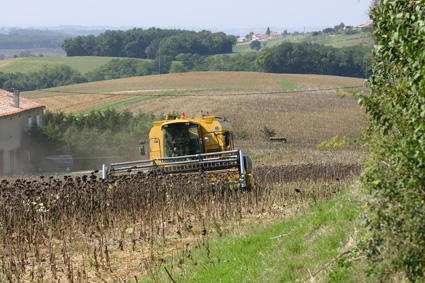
x,y
268,133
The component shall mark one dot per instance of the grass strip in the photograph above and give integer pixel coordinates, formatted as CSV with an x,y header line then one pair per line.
x,y
131,100
287,85
287,252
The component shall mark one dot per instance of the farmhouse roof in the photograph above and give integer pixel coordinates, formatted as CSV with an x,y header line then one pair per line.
x,y
7,104
365,24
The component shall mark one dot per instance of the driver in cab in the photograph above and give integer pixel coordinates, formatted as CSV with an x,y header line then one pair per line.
x,y
181,143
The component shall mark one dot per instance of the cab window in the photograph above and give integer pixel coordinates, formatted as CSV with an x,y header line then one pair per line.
x,y
181,139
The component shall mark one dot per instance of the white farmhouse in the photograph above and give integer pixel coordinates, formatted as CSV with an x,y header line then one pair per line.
x,y
275,35
17,115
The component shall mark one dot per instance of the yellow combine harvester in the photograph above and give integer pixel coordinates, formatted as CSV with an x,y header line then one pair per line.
x,y
190,145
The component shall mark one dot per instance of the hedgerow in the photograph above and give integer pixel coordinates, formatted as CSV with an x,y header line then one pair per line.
x,y
395,171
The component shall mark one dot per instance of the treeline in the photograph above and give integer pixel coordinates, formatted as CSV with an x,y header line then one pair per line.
x,y
27,40
292,58
310,58
47,77
150,43
93,139
122,68
62,75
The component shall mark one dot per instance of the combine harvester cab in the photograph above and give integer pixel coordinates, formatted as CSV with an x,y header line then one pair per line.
x,y
190,145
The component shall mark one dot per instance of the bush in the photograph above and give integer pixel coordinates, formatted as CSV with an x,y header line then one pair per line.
x,y
351,31
255,44
268,133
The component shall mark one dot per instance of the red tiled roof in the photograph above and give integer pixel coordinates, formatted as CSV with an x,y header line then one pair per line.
x,y
7,104
365,25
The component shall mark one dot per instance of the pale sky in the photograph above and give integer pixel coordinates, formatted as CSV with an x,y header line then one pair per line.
x,y
213,14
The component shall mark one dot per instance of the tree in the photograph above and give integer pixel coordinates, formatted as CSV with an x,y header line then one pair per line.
x,y
339,27
191,61
26,53
255,44
177,67
264,61
395,171
328,30
268,31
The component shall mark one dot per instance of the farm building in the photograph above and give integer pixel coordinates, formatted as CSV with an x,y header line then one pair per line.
x,y
17,115
365,26
275,35
259,36
263,36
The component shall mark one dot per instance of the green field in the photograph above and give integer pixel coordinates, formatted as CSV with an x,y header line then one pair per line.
x,y
31,64
341,40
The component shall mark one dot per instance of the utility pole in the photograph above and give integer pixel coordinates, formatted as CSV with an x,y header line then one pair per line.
x,y
159,62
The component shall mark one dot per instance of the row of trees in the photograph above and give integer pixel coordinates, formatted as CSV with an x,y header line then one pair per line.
x,y
18,41
93,139
310,58
150,43
47,77
61,75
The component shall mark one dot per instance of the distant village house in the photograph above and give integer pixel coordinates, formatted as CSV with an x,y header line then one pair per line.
x,y
259,36
17,115
263,36
275,35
